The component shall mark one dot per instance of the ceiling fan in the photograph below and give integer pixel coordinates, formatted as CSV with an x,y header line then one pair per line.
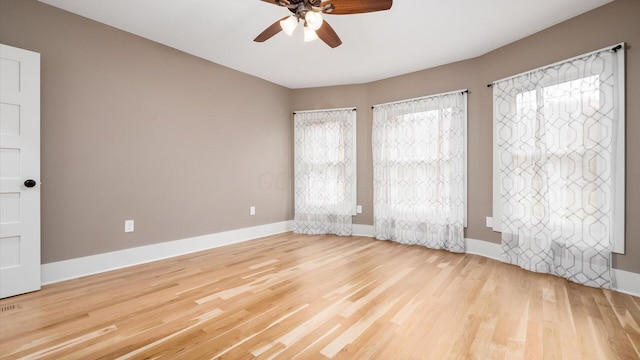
x,y
310,12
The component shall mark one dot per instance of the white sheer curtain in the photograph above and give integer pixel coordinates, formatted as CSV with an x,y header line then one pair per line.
x,y
325,171
419,171
557,138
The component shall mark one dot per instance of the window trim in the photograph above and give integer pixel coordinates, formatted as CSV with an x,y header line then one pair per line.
x,y
618,228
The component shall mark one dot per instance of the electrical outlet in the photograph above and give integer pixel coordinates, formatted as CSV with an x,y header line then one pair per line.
x,y
128,226
252,210
489,221
358,209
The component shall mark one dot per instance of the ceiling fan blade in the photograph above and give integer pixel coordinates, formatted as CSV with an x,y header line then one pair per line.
x,y
270,31
346,7
328,35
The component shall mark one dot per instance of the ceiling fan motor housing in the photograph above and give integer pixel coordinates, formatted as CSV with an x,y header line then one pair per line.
x,y
301,7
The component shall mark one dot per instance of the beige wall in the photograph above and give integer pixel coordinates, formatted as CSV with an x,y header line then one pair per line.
x,y
607,25
135,130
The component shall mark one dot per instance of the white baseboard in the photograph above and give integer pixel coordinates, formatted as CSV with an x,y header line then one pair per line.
x,y
94,264
623,281
483,248
473,246
626,282
362,230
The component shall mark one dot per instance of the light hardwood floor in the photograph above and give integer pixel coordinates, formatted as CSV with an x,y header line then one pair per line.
x,y
314,297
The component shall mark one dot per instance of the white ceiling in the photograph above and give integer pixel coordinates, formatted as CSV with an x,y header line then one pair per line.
x,y
413,35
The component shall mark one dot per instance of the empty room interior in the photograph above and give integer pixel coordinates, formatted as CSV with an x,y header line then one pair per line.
x,y
417,180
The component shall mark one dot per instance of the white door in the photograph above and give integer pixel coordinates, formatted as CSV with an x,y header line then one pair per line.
x,y
19,171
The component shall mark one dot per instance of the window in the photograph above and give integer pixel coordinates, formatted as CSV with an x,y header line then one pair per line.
x,y
564,153
559,166
419,160
325,171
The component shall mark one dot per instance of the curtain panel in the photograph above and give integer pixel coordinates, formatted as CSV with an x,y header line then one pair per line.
x,y
557,138
325,171
419,171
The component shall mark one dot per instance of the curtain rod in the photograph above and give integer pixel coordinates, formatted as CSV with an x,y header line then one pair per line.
x,y
608,48
321,110
423,97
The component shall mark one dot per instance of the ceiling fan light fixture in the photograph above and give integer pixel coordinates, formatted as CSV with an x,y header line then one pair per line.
x,y
309,34
289,24
313,20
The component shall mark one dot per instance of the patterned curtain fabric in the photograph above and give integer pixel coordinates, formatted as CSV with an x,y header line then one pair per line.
x,y
419,165
325,171
556,135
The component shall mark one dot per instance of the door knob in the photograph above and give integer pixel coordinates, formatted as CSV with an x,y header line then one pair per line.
x,y
30,183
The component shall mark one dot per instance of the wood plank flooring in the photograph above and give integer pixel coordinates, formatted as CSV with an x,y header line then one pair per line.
x,y
294,296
